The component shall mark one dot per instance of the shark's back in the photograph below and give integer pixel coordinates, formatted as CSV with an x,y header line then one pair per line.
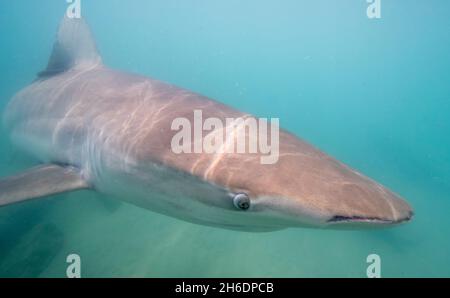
x,y
63,110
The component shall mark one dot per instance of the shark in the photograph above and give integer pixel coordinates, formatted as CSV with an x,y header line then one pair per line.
x,y
91,127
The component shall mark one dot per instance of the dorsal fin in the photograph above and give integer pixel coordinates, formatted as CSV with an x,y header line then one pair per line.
x,y
74,48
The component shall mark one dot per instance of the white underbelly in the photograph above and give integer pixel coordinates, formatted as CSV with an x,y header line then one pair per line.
x,y
160,189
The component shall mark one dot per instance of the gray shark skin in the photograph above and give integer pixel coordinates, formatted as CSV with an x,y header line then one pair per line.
x,y
114,130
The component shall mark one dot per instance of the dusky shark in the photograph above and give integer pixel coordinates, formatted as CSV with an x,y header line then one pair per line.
x,y
96,128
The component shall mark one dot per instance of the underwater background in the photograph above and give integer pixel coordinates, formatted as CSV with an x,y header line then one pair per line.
x,y
374,93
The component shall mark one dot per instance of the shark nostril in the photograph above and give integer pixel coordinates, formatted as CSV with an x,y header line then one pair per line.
x,y
410,215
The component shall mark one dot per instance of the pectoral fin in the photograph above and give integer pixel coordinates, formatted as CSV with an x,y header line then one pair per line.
x,y
39,182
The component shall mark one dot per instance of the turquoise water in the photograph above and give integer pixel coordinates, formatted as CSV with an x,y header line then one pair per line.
x,y
373,93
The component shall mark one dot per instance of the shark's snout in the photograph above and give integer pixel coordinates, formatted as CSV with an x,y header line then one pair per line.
x,y
381,210
380,207
315,190
361,204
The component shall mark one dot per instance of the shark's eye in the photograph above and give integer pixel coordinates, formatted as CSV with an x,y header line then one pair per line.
x,y
241,201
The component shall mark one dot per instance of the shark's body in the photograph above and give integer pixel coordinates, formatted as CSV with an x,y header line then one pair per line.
x,y
111,131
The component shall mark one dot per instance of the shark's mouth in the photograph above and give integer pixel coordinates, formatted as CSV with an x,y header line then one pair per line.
x,y
369,220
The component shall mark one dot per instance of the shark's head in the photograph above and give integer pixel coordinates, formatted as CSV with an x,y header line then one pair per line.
x,y
305,188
